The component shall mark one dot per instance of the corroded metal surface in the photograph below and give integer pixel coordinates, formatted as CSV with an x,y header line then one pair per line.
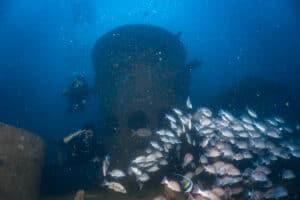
x,y
21,159
140,74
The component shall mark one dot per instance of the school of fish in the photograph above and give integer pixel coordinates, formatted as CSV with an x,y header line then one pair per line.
x,y
235,153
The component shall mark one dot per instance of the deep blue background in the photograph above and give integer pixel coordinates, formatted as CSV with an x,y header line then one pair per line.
x,y
44,44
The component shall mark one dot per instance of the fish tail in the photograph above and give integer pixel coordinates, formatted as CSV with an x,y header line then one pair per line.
x,y
196,188
164,181
104,183
134,133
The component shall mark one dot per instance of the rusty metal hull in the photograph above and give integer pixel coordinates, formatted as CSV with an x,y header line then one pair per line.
x,y
21,159
140,74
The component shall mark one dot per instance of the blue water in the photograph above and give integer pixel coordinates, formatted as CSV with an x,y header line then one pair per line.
x,y
45,44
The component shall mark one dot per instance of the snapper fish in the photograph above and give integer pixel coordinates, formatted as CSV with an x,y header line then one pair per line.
x,y
203,159
288,174
154,168
116,173
143,177
188,158
259,176
142,132
171,118
251,113
177,111
117,187
227,116
155,145
205,193
276,193
296,153
105,165
206,111
279,120
139,159
227,133
134,170
189,103
228,180
172,185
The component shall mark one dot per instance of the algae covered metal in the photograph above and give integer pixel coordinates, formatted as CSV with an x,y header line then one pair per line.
x,y
21,160
141,73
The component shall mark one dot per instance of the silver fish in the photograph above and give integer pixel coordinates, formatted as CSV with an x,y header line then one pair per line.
x,y
155,145
142,132
188,158
189,103
163,162
139,159
154,168
288,174
260,126
170,118
177,111
227,133
117,187
251,113
172,185
212,153
259,176
228,180
116,173
134,170
276,193
279,120
205,193
228,116
105,165
143,177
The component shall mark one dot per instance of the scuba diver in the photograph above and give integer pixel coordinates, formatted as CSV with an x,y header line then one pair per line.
x,y
83,146
80,161
77,94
